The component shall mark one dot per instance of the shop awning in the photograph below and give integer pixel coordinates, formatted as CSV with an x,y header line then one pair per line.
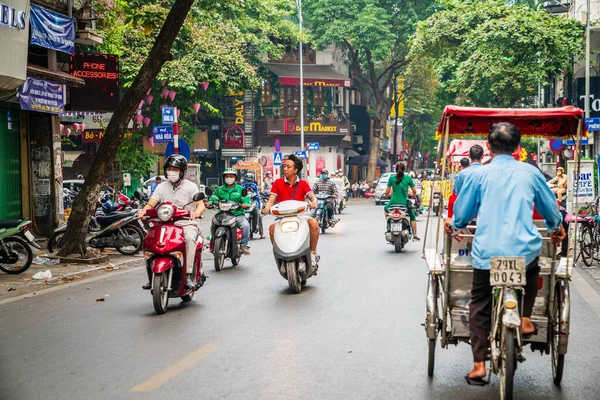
x,y
55,76
314,75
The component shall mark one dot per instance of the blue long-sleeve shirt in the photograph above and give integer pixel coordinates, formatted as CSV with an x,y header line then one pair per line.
x,y
502,195
460,178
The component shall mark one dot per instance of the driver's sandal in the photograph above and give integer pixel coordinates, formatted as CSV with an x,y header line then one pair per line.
x,y
147,286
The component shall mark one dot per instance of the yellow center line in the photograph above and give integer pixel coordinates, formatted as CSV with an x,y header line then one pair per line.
x,y
167,374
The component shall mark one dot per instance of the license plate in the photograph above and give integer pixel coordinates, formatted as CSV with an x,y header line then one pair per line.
x,y
507,271
29,236
396,228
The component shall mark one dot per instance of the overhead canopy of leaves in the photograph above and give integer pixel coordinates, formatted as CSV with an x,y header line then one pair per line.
x,y
490,53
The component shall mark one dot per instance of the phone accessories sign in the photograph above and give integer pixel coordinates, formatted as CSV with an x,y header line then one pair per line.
x,y
14,31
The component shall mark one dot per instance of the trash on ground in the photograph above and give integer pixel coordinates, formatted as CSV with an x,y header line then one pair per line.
x,y
43,275
11,289
45,261
100,299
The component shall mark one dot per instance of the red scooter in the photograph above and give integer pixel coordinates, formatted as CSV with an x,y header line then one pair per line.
x,y
164,250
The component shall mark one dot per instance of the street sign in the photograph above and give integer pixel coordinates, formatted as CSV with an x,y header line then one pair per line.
x,y
572,142
277,156
162,134
556,145
277,145
184,149
314,146
168,115
300,154
592,124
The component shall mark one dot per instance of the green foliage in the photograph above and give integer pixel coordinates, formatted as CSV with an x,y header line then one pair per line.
x,y
134,158
490,53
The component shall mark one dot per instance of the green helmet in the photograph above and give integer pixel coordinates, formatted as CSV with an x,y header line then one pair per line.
x,y
230,171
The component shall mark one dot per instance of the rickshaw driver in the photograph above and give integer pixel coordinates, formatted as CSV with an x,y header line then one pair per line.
x,y
502,196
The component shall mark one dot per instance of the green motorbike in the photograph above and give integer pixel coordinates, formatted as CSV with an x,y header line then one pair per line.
x,y
15,251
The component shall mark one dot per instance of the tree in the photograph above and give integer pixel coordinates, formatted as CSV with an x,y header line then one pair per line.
x,y
490,53
374,36
85,202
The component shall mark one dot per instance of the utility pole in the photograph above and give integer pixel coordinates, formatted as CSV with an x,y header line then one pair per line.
x,y
587,60
302,147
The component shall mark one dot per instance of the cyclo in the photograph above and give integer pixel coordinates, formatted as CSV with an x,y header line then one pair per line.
x,y
450,267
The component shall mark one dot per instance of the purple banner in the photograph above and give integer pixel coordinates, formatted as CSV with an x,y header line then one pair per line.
x,y
42,96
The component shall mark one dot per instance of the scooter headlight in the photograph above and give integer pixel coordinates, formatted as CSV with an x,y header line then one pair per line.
x,y
290,226
165,212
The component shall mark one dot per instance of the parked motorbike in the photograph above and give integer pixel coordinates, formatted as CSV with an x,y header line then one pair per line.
x,y
291,244
165,253
15,241
437,203
398,224
120,230
321,212
225,242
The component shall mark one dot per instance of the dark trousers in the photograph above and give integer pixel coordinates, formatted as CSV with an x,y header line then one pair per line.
x,y
480,308
330,209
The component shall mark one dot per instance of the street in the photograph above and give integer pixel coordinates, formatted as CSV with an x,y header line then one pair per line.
x,y
353,333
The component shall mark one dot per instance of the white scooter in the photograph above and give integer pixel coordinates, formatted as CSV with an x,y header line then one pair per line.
x,y
291,244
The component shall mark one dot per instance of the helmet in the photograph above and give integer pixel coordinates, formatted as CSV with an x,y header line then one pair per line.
x,y
268,173
249,177
176,161
230,171
324,172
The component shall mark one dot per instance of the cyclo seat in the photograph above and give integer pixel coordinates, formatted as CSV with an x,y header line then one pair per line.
x,y
10,223
104,220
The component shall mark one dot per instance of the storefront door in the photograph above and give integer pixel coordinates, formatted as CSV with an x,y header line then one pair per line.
x,y
10,164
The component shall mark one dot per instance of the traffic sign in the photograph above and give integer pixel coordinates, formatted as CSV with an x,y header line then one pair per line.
x,y
592,124
184,149
300,154
556,145
572,142
168,115
314,146
277,145
162,134
277,156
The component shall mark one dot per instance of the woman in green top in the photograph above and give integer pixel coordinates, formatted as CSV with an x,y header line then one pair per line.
x,y
397,192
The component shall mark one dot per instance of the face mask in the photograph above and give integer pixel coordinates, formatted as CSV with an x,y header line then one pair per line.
x,y
323,176
230,181
173,177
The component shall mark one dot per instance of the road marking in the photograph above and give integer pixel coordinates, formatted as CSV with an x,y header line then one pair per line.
x,y
587,291
173,370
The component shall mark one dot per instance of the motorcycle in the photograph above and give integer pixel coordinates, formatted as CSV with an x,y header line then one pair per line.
x,y
322,211
437,203
120,230
15,253
252,213
165,254
225,242
398,224
291,244
343,202
415,205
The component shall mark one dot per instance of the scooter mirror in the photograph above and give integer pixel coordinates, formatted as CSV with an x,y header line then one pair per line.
x,y
199,196
244,192
208,191
137,195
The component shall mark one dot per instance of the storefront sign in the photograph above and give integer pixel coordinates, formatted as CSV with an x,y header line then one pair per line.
x,y
101,75
285,81
52,30
584,185
14,37
292,126
233,138
42,96
93,135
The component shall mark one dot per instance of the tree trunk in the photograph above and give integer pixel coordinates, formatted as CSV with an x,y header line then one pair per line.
x,y
374,150
85,203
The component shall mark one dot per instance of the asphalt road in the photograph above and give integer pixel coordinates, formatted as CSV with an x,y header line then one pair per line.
x,y
354,333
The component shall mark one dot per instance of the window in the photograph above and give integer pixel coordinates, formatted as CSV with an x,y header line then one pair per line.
x,y
289,101
266,95
292,53
318,100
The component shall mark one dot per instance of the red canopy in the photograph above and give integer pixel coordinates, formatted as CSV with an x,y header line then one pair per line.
x,y
549,122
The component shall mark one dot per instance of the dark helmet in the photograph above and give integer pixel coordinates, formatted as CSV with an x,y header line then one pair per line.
x,y
176,161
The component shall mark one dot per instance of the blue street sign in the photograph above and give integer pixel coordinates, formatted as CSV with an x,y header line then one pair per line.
x,y
314,146
162,134
277,157
572,142
592,124
184,149
300,154
168,115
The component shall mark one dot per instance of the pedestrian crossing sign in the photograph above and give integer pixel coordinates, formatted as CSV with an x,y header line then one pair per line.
x,y
277,158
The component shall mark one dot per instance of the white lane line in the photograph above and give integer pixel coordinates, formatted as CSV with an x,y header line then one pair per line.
x,y
586,291
173,370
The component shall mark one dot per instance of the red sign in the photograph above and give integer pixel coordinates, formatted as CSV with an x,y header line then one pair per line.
x,y
92,135
289,126
233,138
284,81
320,164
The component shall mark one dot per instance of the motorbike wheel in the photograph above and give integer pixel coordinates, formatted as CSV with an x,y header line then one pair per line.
x,y
587,245
55,242
558,360
509,363
137,235
219,251
294,281
19,246
398,244
160,293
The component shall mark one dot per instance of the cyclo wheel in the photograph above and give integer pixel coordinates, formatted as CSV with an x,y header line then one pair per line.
x,y
432,318
509,364
588,247
558,360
